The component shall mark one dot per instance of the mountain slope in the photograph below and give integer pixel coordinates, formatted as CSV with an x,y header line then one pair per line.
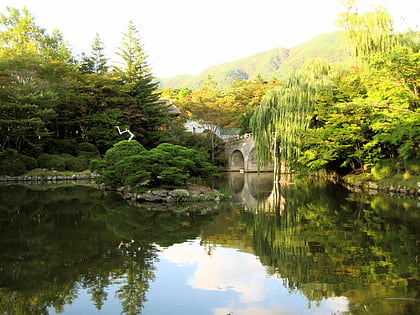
x,y
277,62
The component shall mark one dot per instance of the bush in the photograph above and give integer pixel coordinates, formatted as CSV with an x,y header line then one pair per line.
x,y
11,163
60,146
97,166
384,169
412,166
130,164
131,171
87,150
62,162
52,162
173,175
123,149
76,164
29,161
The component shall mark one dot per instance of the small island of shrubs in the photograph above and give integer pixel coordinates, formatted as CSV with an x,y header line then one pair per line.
x,y
130,168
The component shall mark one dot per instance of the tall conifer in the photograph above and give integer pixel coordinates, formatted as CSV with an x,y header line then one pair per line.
x,y
145,114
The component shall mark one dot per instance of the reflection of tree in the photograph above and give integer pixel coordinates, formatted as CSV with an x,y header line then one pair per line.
x,y
327,246
96,284
56,242
136,282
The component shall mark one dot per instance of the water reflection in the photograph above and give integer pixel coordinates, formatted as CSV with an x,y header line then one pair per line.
x,y
295,247
328,242
55,243
238,279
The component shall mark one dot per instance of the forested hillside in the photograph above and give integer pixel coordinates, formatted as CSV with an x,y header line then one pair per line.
x,y
275,63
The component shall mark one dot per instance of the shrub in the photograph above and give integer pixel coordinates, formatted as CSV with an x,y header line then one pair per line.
x,y
131,171
384,169
30,162
11,163
87,150
412,166
130,164
76,164
52,162
123,149
97,166
60,146
173,176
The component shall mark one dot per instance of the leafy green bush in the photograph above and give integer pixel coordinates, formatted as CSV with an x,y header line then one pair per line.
x,y
76,164
11,163
123,149
97,165
63,162
131,171
52,162
29,161
87,150
172,176
128,163
384,169
412,166
61,146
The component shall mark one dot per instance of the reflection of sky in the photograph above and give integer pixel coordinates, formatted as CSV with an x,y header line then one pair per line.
x,y
189,281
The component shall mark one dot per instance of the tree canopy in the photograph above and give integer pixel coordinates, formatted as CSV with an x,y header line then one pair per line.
x,y
49,97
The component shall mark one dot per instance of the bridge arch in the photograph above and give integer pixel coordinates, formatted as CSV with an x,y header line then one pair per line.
x,y
242,156
237,160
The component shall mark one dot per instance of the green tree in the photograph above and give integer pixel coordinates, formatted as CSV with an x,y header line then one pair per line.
x,y
370,33
96,62
142,110
128,163
21,36
279,123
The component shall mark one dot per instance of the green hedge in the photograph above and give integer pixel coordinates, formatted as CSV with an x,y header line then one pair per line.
x,y
13,163
63,162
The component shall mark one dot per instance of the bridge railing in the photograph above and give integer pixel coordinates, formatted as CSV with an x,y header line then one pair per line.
x,y
229,138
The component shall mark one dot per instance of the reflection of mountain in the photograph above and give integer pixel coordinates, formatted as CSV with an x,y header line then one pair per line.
x,y
55,241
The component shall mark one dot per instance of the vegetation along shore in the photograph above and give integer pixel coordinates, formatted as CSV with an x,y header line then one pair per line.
x,y
351,107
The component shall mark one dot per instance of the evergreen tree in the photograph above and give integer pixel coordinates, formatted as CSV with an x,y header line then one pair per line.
x,y
146,116
96,62
134,64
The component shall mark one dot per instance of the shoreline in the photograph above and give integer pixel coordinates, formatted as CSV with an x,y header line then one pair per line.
x,y
373,188
353,183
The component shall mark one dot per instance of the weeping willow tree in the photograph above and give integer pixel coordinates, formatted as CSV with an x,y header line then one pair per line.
x,y
279,123
369,33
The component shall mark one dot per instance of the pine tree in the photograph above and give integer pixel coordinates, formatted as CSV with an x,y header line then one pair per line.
x,y
144,113
96,62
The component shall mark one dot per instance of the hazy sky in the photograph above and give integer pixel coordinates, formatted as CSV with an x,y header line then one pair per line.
x,y
187,36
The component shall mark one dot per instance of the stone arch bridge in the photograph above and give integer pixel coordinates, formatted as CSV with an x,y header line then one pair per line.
x,y
241,154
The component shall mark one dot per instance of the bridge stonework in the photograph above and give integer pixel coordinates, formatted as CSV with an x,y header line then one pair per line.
x,y
242,156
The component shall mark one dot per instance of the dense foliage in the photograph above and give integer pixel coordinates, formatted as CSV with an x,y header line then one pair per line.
x,y
340,117
129,164
50,100
359,115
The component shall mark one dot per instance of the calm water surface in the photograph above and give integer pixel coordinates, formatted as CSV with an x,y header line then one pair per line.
x,y
299,247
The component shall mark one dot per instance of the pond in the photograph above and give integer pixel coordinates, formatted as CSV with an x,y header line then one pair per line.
x,y
302,246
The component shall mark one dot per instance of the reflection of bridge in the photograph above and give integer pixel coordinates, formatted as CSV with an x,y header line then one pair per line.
x,y
256,191
241,154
